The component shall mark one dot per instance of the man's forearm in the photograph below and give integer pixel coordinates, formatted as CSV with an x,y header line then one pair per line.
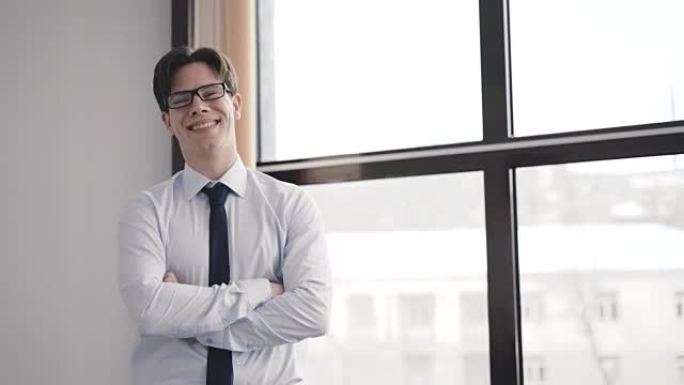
x,y
297,314
182,311
222,337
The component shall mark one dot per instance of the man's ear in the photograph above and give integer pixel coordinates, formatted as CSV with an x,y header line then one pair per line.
x,y
237,105
166,119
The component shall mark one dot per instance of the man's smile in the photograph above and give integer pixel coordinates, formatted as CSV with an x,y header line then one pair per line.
x,y
203,124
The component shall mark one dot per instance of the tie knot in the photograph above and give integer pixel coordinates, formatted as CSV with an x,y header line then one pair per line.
x,y
217,194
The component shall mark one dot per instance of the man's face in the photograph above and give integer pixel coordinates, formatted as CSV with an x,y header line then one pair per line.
x,y
203,128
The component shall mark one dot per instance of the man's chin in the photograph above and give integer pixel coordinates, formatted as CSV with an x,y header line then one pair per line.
x,y
215,149
208,147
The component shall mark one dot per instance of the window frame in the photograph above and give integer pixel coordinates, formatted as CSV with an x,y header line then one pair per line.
x,y
497,155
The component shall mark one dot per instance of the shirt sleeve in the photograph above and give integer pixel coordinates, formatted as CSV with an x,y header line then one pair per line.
x,y
173,309
302,311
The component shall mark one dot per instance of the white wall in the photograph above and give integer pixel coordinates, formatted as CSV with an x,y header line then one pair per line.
x,y
79,134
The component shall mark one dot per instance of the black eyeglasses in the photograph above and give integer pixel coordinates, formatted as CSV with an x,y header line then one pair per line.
x,y
207,92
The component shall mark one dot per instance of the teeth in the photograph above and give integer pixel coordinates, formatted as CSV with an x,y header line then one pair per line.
x,y
202,125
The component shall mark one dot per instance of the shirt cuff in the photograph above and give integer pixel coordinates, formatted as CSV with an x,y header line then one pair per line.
x,y
258,291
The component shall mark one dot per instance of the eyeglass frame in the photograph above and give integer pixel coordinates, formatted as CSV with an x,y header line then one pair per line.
x,y
194,92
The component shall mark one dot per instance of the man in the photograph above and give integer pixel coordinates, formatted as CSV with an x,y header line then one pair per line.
x,y
222,268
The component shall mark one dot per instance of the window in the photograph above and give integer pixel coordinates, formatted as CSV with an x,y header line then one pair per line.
x,y
535,372
348,90
679,304
397,278
607,306
679,360
417,314
567,215
597,267
579,81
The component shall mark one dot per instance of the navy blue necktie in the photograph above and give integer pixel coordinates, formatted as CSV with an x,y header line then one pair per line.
x,y
219,361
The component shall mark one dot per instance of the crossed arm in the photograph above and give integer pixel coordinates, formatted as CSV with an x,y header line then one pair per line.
x,y
241,316
276,288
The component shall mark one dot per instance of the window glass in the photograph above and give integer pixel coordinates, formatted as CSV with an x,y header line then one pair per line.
x,y
587,64
358,76
404,252
600,244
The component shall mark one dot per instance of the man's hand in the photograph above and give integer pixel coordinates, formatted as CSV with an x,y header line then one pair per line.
x,y
170,277
276,289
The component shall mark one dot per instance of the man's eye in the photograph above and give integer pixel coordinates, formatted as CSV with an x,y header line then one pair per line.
x,y
211,93
178,98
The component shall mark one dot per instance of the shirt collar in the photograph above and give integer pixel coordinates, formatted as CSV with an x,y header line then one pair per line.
x,y
235,178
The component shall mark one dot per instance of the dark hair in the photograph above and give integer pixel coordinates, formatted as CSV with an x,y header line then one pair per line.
x,y
178,57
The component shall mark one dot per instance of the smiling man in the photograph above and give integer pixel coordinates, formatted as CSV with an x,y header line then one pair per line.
x,y
222,268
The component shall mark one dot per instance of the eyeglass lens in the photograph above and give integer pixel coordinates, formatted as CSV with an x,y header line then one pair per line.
x,y
184,98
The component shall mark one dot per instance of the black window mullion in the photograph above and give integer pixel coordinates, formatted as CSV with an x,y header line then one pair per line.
x,y
499,177
181,23
494,64
502,276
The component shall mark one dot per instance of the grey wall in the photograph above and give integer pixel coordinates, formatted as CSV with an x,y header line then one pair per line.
x,y
79,134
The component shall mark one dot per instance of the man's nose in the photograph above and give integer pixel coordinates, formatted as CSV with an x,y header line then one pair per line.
x,y
198,105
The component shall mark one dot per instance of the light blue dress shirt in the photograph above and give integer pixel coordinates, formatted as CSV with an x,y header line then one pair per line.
x,y
275,233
